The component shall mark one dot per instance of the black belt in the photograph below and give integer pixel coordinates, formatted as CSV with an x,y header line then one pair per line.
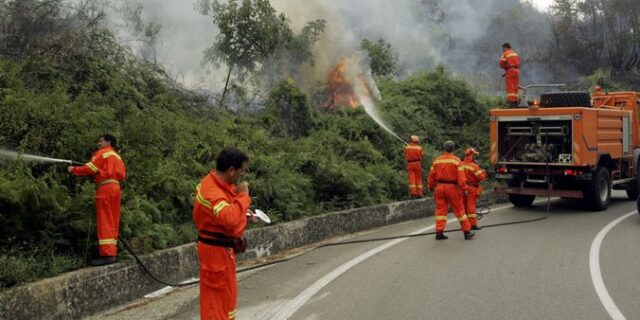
x,y
227,243
473,184
222,240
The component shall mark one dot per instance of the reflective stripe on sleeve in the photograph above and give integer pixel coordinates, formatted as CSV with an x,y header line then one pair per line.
x,y
219,207
92,166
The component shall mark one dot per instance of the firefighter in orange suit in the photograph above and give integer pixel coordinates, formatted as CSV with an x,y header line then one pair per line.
x,y
510,62
474,175
448,180
108,171
219,213
414,154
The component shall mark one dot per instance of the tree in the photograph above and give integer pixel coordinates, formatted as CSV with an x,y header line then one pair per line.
x,y
288,111
595,34
382,59
253,38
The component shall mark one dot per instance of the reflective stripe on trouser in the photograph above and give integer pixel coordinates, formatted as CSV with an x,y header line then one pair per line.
x,y
449,195
108,198
512,84
218,286
415,179
470,205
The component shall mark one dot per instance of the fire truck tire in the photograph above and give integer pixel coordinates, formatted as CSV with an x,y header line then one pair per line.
x,y
597,194
633,189
565,99
521,200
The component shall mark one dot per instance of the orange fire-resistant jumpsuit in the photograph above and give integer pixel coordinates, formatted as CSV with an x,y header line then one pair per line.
x,y
448,179
474,175
218,208
108,170
510,62
414,154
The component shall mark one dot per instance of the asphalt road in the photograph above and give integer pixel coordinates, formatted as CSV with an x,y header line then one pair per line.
x,y
538,270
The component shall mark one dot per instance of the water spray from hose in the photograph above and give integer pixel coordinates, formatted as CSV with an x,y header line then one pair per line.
x,y
15,156
363,88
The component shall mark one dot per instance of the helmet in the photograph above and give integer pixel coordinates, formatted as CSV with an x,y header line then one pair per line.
x,y
470,151
415,138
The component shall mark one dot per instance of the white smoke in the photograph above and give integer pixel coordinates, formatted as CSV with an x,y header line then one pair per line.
x,y
409,25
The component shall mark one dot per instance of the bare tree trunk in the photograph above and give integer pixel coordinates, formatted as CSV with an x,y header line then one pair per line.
x,y
226,85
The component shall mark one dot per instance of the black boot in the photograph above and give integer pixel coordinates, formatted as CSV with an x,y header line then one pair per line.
x,y
469,235
103,261
476,227
441,236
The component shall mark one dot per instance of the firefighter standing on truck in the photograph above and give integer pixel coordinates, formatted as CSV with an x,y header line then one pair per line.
x,y
414,154
219,213
474,175
446,176
510,62
108,170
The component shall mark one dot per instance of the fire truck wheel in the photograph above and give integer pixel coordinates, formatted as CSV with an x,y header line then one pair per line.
x,y
521,200
633,189
597,193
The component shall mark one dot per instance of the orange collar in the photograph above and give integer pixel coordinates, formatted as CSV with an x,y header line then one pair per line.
x,y
231,188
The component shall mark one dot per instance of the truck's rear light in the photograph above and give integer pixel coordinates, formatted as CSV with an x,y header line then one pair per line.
x,y
570,172
502,169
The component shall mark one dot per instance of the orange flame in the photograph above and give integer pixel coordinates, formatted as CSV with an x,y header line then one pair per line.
x,y
341,87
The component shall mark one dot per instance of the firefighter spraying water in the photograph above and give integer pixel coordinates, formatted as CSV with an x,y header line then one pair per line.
x,y
12,155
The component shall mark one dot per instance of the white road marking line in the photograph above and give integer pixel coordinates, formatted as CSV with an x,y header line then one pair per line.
x,y
290,308
166,289
596,275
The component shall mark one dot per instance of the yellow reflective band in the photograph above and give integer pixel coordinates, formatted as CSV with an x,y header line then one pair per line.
x,y
479,172
219,207
511,55
201,199
414,147
413,185
472,215
103,242
463,218
441,161
232,314
440,218
107,181
431,168
468,167
92,166
460,168
419,186
512,94
111,153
